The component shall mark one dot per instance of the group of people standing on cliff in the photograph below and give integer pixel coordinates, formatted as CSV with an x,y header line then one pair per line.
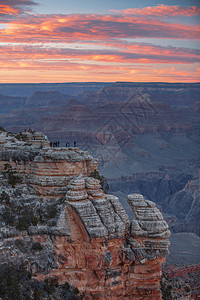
x,y
68,144
57,143
54,144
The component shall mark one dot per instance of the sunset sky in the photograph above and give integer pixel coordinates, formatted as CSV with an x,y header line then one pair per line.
x,y
93,40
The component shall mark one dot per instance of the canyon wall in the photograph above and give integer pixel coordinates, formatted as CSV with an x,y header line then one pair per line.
x,y
56,219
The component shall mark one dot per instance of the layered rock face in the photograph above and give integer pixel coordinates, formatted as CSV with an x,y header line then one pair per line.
x,y
87,238
185,204
46,169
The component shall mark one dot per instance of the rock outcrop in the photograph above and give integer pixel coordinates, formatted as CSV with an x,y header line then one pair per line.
x,y
57,220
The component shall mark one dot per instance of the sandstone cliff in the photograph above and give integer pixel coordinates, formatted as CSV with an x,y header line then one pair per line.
x,y
56,220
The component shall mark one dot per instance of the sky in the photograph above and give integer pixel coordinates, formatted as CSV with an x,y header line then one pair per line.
x,y
93,40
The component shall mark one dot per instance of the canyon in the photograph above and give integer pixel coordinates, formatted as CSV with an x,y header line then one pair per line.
x,y
145,137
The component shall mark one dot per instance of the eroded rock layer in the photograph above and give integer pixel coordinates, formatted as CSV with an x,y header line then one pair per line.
x,y
61,224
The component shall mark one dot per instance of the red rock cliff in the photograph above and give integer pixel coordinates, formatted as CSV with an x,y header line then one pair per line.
x,y
92,244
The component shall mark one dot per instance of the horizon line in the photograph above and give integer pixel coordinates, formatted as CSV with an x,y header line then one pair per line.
x,y
111,82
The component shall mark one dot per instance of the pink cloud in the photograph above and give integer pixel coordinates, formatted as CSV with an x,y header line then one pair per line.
x,y
128,53
8,10
162,11
106,52
73,28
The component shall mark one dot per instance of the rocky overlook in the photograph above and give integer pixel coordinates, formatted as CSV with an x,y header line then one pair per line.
x,y
56,220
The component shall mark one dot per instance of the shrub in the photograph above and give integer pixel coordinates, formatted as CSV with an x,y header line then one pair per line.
x,y
76,291
21,137
9,283
187,288
66,286
102,179
24,138
42,220
20,245
46,214
18,136
26,218
10,280
38,294
37,247
34,220
5,198
2,129
7,166
9,217
50,285
16,284
23,223
52,211
52,224
13,179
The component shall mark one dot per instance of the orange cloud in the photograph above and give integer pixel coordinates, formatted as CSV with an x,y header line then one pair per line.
x,y
162,11
95,46
73,28
7,10
125,53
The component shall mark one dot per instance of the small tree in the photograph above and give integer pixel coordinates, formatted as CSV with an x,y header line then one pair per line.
x,y
13,179
37,246
103,182
2,129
